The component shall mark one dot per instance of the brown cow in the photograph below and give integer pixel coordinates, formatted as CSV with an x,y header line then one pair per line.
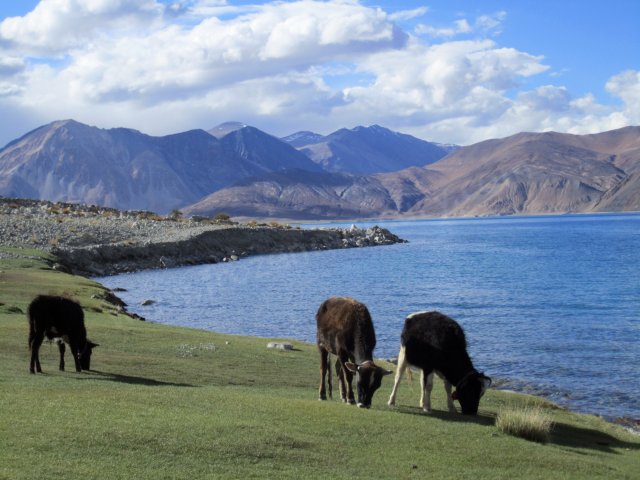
x,y
345,329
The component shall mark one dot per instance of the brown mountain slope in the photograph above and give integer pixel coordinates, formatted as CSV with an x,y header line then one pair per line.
x,y
528,173
533,173
297,194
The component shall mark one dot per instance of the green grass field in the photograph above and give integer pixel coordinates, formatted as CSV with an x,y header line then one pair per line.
x,y
167,402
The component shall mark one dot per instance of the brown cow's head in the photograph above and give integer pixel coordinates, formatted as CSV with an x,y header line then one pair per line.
x,y
469,391
368,379
84,355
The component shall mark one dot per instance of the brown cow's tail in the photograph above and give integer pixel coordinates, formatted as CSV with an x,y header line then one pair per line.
x,y
329,376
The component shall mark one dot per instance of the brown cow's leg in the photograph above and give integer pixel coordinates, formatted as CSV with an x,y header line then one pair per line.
x,y
349,375
35,340
341,380
324,364
347,393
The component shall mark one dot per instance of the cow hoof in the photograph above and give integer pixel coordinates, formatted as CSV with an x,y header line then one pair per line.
x,y
426,410
391,403
362,405
351,401
322,397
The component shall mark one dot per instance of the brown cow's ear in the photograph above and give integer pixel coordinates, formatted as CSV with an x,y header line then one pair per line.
x,y
352,367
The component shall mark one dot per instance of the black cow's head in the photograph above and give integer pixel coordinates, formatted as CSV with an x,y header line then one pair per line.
x,y
84,355
469,391
368,379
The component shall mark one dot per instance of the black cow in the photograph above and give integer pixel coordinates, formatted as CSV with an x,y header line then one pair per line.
x,y
436,343
345,329
61,319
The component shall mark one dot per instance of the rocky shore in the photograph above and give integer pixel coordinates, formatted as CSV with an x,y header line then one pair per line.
x,y
97,241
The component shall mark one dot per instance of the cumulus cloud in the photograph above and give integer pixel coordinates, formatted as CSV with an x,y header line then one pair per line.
x,y
55,26
484,24
162,67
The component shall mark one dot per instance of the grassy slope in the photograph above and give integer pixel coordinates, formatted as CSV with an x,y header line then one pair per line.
x,y
170,402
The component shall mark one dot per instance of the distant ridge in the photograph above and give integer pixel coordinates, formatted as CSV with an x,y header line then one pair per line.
x,y
123,168
527,173
352,173
366,150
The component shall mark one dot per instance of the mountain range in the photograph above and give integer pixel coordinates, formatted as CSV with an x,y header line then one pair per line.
x,y
351,173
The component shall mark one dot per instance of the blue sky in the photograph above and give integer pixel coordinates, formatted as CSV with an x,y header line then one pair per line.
x,y
446,71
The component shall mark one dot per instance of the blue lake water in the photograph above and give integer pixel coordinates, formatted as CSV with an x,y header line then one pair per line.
x,y
551,304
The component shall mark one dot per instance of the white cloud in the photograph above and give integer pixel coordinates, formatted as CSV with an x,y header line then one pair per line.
x,y
408,14
485,24
626,85
55,26
282,66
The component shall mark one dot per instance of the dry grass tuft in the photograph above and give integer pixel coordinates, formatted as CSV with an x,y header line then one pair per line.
x,y
529,422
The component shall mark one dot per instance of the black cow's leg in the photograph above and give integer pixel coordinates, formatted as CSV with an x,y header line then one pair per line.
x,y
324,366
74,352
35,340
62,349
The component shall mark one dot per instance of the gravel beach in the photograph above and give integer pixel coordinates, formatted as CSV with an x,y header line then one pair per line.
x,y
96,241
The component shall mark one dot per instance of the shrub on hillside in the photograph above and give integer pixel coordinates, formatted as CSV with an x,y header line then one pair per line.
x,y
530,423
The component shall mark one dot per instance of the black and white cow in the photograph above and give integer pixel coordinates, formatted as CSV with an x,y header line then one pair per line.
x,y
61,319
345,329
436,343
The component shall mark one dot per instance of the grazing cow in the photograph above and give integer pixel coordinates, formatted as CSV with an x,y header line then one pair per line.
x,y
436,343
61,319
346,330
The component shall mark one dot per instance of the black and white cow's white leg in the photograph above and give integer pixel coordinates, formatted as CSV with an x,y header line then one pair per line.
x,y
426,381
426,387
402,366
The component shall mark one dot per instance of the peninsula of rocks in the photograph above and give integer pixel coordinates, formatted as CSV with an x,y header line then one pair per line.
x,y
98,241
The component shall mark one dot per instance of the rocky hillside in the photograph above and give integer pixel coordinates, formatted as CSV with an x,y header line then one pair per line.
x,y
528,173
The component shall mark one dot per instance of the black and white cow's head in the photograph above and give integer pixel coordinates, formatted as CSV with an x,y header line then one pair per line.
x,y
469,391
368,380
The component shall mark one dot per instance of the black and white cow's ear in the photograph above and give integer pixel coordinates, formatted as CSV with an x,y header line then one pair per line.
x,y
352,367
386,372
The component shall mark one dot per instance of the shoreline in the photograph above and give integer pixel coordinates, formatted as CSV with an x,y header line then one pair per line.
x,y
98,241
